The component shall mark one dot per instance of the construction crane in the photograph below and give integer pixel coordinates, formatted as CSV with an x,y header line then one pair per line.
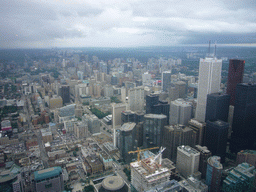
x,y
140,150
160,155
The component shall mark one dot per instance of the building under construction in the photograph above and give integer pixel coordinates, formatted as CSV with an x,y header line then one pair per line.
x,y
148,173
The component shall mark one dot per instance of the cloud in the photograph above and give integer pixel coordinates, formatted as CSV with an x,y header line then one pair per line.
x,y
30,23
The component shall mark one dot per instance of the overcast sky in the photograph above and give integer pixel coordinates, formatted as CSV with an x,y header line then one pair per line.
x,y
125,23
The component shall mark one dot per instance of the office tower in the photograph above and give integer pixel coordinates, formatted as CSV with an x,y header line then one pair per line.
x,y
216,137
181,88
152,130
154,106
204,155
208,82
146,79
193,184
180,112
241,178
217,107
108,91
127,116
139,116
80,75
151,100
198,129
248,156
50,179
187,160
166,80
244,119
123,94
136,99
139,133
213,174
126,141
116,117
80,130
114,80
94,124
65,93
235,76
174,136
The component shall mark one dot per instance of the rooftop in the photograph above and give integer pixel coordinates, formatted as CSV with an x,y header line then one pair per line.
x,y
47,173
188,149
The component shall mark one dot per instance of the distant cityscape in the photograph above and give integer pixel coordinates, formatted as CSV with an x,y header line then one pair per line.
x,y
165,119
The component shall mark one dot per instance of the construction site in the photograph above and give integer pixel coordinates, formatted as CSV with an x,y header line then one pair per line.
x,y
150,172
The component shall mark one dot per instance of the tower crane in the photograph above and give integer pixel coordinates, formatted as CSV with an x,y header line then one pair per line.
x,y
140,150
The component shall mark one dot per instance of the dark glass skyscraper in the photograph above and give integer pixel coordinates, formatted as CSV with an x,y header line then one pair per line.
x,y
65,93
235,76
216,137
217,107
151,100
244,119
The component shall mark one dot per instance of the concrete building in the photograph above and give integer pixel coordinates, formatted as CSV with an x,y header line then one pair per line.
x,y
46,135
199,130
214,173
204,155
181,88
166,80
50,179
248,156
193,185
153,130
174,136
180,112
113,184
116,117
136,99
81,130
55,102
146,79
94,124
187,160
208,82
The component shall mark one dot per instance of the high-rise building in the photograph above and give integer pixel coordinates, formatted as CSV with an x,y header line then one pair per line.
x,y
208,82
181,88
187,160
65,93
126,141
198,129
153,130
216,137
136,99
154,106
204,155
127,116
151,100
174,136
180,112
50,179
146,79
241,178
166,80
116,117
244,119
213,174
217,107
235,76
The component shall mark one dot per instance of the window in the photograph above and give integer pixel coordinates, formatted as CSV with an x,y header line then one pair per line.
x,y
47,186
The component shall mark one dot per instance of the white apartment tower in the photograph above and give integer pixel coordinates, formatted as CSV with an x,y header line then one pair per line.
x,y
208,82
187,160
136,99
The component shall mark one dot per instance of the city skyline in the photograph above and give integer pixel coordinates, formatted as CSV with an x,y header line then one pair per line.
x,y
62,23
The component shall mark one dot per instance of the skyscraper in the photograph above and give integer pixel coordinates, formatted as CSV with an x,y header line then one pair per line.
x,y
244,120
166,80
153,130
216,137
136,99
217,107
208,82
65,93
204,155
180,112
235,76
151,100
213,174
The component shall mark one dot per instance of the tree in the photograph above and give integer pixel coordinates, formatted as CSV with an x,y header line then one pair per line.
x,y
89,188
